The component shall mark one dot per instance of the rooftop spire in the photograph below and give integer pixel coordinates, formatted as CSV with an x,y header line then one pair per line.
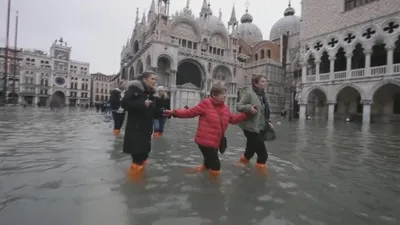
x,y
144,17
152,7
233,19
137,15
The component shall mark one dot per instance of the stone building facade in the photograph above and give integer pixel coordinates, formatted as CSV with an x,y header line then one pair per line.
x,y
101,87
52,78
189,53
350,59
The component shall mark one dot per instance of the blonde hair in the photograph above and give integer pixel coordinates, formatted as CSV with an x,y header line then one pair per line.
x,y
164,94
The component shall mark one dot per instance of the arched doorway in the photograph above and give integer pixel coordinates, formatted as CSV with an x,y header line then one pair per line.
x,y
348,103
163,71
13,98
386,103
189,72
139,67
189,80
57,99
148,62
316,104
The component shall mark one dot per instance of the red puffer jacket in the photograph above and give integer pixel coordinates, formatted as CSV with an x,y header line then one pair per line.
x,y
209,131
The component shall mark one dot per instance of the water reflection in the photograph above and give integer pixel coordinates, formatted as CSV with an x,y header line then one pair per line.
x,y
320,173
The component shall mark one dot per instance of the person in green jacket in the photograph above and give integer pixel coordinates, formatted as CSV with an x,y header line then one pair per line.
x,y
254,100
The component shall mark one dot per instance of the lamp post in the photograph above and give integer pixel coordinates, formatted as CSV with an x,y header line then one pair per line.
x,y
6,51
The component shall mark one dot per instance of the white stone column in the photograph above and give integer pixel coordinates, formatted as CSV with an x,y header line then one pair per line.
x,y
332,66
317,64
366,110
389,50
302,111
367,52
304,73
349,57
331,110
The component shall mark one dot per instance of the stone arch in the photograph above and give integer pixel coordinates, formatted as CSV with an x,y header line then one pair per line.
x,y
124,73
221,34
311,89
170,59
222,73
135,46
180,33
164,69
148,62
57,99
131,73
380,84
190,71
346,85
139,67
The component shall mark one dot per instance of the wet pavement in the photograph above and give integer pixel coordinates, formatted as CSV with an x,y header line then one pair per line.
x,y
65,167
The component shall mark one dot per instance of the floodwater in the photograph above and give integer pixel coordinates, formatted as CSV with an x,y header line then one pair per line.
x,y
64,167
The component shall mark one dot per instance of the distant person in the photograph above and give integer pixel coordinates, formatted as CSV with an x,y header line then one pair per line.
x,y
162,103
214,117
138,101
117,111
254,100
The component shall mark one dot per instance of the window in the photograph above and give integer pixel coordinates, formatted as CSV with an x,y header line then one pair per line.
x,y
352,4
262,54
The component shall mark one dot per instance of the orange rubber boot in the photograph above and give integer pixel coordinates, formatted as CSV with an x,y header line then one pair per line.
x,y
200,168
156,135
243,160
262,168
214,173
116,132
135,170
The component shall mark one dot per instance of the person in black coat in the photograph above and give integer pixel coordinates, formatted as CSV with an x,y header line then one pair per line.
x,y
139,102
162,103
118,112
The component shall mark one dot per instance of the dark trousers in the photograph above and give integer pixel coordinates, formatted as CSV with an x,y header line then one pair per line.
x,y
118,120
139,158
255,145
211,159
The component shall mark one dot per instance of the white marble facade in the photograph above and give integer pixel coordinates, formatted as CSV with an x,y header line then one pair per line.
x,y
190,53
350,60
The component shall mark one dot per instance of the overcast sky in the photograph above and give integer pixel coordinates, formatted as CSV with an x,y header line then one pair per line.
x,y
97,29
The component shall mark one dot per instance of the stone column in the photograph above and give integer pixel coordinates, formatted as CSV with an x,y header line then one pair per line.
x,y
304,73
332,66
366,110
172,99
389,49
317,63
302,111
367,52
349,57
331,110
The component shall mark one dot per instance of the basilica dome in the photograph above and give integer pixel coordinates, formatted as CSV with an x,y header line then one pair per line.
x,y
248,31
213,23
289,23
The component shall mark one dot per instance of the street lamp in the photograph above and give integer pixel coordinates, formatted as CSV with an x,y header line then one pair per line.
x,y
6,52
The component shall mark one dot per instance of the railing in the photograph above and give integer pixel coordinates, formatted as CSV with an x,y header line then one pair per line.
x,y
356,73
206,54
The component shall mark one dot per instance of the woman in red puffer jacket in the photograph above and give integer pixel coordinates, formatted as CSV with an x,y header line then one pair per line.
x,y
214,117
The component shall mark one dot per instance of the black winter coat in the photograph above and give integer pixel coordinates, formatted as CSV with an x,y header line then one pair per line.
x,y
115,99
161,105
139,125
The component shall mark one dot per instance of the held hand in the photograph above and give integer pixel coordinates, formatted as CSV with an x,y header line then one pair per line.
x,y
167,113
253,110
147,103
270,124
